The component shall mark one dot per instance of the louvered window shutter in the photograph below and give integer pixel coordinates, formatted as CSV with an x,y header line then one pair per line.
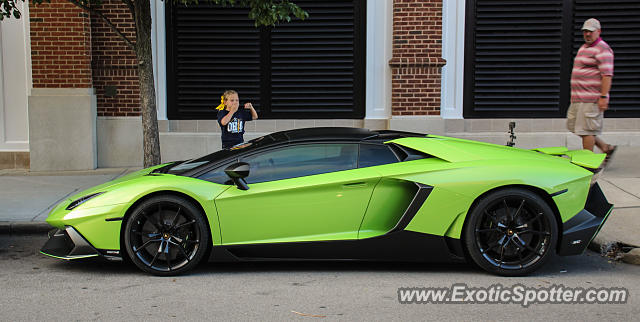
x,y
620,25
317,65
211,50
519,55
515,66
298,70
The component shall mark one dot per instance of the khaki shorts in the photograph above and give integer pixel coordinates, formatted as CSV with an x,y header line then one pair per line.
x,y
584,119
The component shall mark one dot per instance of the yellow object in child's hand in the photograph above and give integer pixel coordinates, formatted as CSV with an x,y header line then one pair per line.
x,y
221,106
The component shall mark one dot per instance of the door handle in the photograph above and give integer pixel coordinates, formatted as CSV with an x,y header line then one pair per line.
x,y
354,185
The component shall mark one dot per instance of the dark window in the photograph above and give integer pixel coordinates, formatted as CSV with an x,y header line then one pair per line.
x,y
196,166
374,154
519,56
218,175
301,160
180,168
302,69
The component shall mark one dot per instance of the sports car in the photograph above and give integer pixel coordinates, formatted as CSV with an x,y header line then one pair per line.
x,y
342,194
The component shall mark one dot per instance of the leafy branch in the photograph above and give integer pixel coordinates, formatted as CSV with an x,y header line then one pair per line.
x,y
86,6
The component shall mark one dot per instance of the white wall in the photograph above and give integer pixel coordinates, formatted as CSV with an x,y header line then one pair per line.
x,y
15,81
453,22
379,47
159,50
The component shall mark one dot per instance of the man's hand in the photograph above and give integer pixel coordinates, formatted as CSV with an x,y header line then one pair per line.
x,y
603,104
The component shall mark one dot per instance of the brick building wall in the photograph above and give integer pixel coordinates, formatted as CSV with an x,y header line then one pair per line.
x,y
60,45
115,73
416,62
72,49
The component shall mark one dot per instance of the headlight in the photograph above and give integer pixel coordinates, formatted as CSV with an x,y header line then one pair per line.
x,y
82,200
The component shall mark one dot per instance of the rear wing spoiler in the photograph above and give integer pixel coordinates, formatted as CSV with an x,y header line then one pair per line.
x,y
583,158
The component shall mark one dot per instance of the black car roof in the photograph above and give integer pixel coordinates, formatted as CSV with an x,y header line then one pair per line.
x,y
317,134
339,134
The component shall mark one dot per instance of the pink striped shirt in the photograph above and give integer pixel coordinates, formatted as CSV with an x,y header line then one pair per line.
x,y
591,63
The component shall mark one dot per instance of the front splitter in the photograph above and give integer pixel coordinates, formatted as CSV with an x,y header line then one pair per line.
x,y
69,244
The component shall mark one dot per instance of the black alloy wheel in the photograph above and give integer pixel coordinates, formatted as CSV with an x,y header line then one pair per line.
x,y
511,232
166,235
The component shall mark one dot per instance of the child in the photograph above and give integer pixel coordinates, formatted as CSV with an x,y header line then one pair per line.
x,y
232,120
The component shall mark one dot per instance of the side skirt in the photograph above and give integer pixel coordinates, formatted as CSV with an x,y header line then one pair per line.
x,y
395,246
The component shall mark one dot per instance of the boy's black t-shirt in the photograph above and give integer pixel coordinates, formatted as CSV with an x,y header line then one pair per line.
x,y
233,131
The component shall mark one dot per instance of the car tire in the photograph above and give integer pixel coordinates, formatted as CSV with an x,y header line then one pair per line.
x,y
166,235
511,232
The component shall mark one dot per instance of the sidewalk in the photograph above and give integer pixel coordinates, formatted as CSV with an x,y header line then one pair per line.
x,y
620,183
27,198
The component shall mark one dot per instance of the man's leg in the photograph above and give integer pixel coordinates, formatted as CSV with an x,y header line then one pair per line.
x,y
606,148
588,141
602,145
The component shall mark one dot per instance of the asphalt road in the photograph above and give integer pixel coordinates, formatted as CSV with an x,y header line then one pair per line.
x,y
36,287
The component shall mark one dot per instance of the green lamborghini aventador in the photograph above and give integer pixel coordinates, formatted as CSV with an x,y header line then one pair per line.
x,y
342,193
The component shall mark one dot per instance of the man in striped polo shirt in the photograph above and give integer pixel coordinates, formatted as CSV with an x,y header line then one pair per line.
x,y
590,85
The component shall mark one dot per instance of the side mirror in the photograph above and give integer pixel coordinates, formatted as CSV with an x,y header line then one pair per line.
x,y
237,172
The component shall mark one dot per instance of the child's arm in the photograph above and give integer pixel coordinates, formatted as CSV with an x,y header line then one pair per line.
x,y
227,118
254,114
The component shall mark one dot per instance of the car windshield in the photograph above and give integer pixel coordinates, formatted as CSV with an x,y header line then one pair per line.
x,y
181,167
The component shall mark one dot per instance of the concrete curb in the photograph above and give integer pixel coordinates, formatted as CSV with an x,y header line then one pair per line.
x,y
24,228
598,245
632,257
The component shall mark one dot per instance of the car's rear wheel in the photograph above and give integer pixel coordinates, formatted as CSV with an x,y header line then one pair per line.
x,y
511,232
166,235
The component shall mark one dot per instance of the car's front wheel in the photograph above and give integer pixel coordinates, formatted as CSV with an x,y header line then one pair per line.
x,y
511,232
166,235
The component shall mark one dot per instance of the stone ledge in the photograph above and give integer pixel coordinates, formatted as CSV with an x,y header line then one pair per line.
x,y
62,129
426,62
14,160
63,91
523,125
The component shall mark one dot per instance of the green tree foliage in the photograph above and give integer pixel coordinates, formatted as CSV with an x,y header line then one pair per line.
x,y
264,12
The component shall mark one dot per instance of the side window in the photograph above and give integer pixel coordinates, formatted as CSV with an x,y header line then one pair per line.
x,y
374,154
217,175
301,160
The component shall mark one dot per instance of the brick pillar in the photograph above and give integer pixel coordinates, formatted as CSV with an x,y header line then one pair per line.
x,y
62,104
60,45
115,78
115,71
416,62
